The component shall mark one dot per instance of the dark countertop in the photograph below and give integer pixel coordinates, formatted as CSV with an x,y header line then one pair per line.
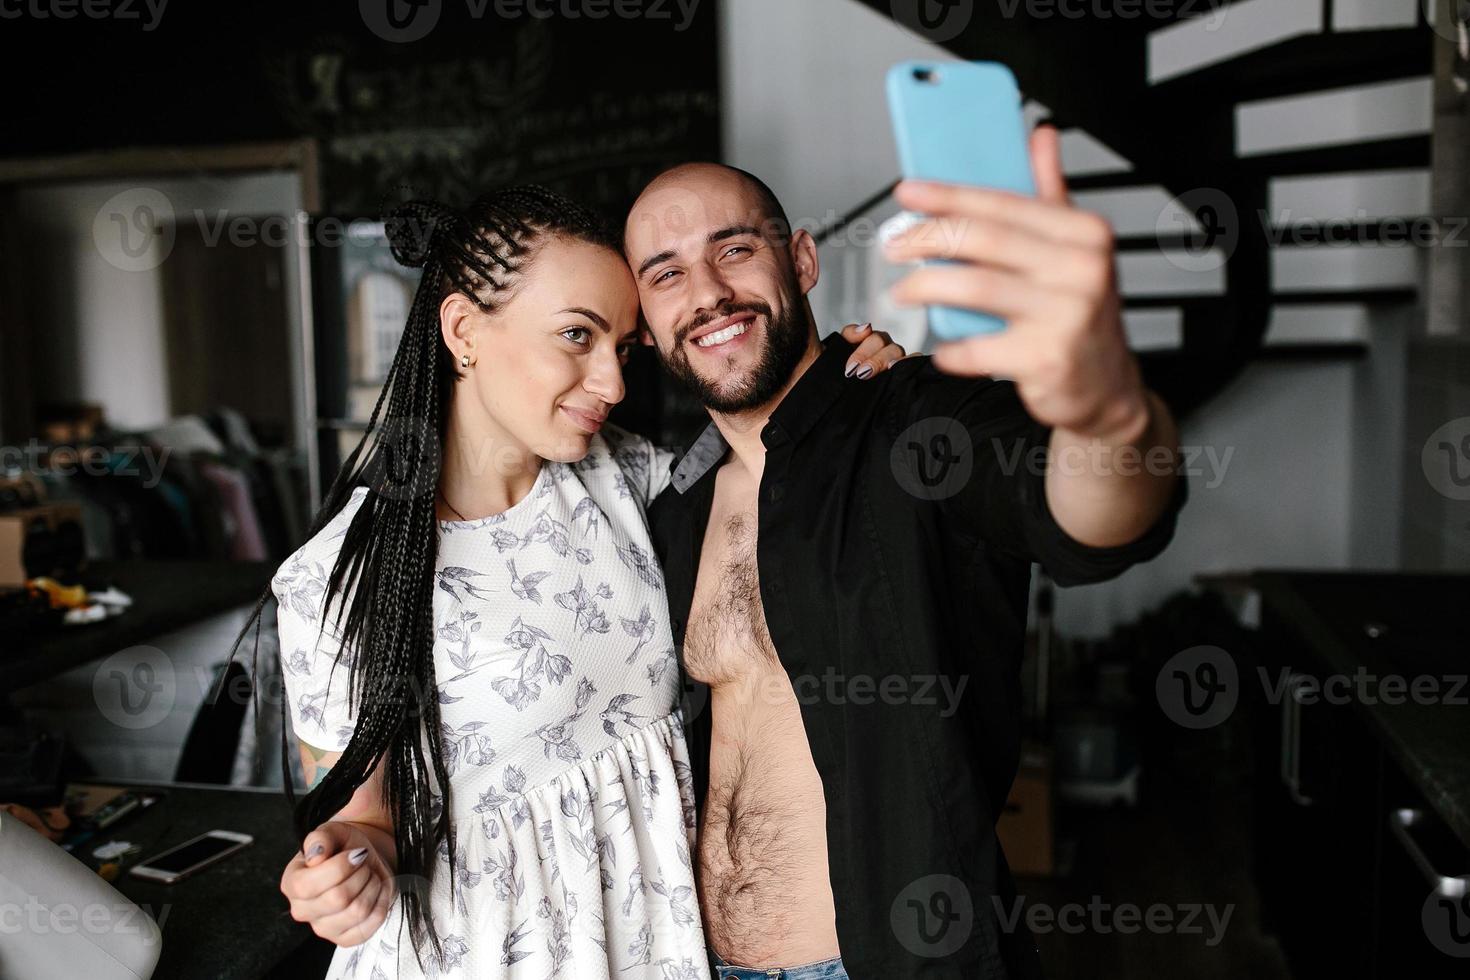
x,y
167,595
229,920
1419,619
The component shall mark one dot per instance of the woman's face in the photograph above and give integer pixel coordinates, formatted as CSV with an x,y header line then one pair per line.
x,y
548,364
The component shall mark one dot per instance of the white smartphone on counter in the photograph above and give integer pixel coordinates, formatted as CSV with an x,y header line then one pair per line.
x,y
178,863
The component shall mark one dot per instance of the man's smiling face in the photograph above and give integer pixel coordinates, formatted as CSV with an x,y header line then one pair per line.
x,y
721,283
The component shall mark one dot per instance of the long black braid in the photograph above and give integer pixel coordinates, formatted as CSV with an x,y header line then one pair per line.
x,y
388,556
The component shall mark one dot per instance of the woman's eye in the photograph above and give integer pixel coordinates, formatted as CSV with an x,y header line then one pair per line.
x,y
582,333
625,351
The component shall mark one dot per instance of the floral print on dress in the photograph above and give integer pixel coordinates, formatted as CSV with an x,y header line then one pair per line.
x,y
570,787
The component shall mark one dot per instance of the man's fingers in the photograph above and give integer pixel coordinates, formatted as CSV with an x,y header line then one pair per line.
x,y
1046,165
1004,294
1048,219
1007,354
1003,246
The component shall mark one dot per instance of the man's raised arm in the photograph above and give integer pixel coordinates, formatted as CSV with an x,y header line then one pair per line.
x,y
1048,268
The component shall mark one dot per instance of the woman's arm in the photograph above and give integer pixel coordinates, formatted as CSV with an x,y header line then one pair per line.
x,y
365,809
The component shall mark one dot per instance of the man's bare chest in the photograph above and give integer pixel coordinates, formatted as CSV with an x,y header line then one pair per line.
x,y
727,639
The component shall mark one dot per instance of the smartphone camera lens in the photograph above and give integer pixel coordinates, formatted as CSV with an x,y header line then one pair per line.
x,y
925,75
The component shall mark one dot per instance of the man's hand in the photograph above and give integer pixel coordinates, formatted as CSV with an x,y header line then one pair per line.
x,y
1048,268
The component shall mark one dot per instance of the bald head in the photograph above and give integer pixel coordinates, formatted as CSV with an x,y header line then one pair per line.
x,y
723,278
689,182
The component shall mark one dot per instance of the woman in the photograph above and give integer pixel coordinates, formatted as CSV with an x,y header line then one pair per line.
x,y
476,649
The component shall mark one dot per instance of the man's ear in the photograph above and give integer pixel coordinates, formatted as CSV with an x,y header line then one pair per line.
x,y
804,258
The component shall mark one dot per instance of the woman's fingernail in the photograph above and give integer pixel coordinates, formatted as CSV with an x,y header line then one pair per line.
x,y
866,372
866,326
316,849
851,368
357,856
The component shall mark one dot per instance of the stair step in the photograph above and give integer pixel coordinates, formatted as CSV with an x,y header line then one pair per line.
x,y
1318,323
1227,33
1359,15
1365,195
1352,114
1342,268
1305,63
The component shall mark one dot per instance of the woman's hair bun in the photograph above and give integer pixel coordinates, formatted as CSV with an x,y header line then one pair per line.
x,y
415,229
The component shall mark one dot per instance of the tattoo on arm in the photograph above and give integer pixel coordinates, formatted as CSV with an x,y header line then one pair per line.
x,y
315,764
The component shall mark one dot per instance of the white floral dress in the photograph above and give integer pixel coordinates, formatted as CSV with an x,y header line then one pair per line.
x,y
558,694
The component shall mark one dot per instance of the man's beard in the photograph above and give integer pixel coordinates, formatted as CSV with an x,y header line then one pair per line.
x,y
785,343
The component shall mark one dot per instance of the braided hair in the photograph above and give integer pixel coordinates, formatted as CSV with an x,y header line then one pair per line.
x,y
389,553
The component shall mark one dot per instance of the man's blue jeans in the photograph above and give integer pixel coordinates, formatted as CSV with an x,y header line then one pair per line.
x,y
825,970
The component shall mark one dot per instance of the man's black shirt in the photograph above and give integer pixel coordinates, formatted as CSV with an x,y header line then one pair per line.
x,y
899,518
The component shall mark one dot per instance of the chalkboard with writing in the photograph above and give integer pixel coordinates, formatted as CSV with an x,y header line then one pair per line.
x,y
442,98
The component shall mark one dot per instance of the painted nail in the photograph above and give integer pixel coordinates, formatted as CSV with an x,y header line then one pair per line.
x,y
316,849
357,856
866,326
851,368
866,372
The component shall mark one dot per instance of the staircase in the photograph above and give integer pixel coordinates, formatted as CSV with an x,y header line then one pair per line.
x,y
1263,161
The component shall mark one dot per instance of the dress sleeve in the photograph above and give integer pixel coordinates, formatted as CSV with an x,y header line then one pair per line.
x,y
645,467
315,679
661,470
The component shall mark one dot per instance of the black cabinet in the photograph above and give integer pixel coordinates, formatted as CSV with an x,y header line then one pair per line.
x,y
1358,873
1423,915
1317,814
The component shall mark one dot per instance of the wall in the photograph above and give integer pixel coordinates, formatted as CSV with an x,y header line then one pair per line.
x,y
802,98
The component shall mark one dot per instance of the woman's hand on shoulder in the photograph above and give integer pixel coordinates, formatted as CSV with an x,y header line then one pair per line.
x,y
876,351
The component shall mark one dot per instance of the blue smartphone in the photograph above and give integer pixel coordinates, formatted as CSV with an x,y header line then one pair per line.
x,y
960,123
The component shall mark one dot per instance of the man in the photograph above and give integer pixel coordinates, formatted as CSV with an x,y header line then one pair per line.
x,y
838,553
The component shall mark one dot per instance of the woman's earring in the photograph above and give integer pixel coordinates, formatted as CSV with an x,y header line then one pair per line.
x,y
464,360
